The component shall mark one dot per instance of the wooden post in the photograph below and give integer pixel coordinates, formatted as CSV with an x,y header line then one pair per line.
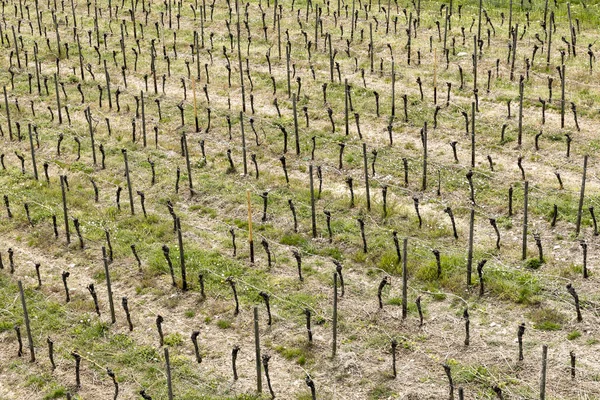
x,y
296,124
143,116
571,30
257,352
525,205
346,107
64,200
479,24
510,7
435,62
27,326
546,16
81,54
371,47
35,172
124,151
543,377
404,278
521,90
335,301
187,162
278,34
424,140
312,202
181,255
287,63
474,64
168,367
366,168
473,135
316,27
393,89
237,12
244,158
37,15
107,76
108,286
17,46
57,99
409,35
446,23
91,129
195,105
250,241
352,21
331,56
549,30
387,17
10,135
470,251
562,97
581,196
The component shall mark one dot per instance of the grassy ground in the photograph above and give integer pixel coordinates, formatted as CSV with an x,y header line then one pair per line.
x,y
516,290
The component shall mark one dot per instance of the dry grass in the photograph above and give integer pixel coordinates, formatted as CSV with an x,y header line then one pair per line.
x,y
362,367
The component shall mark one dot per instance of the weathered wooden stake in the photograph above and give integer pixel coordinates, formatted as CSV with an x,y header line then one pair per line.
x,y
257,352
296,124
520,334
168,368
58,107
467,324
6,107
543,377
473,135
404,278
35,172
184,285
26,318
108,286
581,196
250,241
129,188
63,179
470,251
237,12
366,169
335,301
312,202
521,90
563,78
525,206
243,143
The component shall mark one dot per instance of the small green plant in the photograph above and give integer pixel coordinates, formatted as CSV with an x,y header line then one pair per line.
x,y
546,319
381,391
224,324
173,339
533,263
292,353
574,335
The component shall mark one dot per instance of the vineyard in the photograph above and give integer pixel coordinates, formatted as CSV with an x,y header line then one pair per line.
x,y
351,199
